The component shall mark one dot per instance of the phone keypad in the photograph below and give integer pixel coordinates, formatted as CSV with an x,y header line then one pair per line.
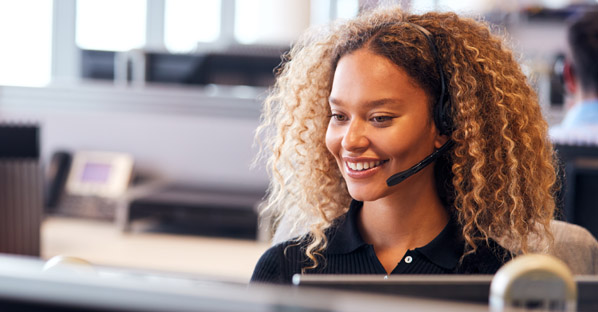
x,y
88,207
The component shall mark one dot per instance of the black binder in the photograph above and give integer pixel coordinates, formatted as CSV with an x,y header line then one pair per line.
x,y
19,141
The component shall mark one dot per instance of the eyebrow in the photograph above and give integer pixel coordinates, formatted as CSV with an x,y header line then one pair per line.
x,y
369,104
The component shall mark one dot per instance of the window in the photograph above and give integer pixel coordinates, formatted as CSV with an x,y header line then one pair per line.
x,y
459,6
422,6
187,22
347,8
26,36
114,25
270,21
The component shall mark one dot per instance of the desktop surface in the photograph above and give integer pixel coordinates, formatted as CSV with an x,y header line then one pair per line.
x,y
102,243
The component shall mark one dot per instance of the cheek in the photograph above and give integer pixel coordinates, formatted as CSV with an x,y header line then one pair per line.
x,y
333,141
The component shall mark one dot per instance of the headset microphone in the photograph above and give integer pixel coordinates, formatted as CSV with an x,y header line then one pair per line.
x,y
401,176
441,117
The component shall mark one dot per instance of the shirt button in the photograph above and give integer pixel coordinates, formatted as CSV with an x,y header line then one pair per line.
x,y
408,259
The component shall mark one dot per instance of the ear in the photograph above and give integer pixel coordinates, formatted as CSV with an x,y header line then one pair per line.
x,y
440,140
569,78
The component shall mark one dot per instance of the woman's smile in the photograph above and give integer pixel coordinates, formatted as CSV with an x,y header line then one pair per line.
x,y
362,168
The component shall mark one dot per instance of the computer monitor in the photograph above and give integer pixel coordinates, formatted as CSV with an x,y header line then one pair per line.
x,y
247,65
581,196
570,195
455,288
97,64
25,286
587,292
237,67
466,288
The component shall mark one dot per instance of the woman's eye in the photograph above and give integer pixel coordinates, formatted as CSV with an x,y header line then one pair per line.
x,y
381,119
339,117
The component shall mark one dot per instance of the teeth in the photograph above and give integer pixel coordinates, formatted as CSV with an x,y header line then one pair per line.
x,y
363,165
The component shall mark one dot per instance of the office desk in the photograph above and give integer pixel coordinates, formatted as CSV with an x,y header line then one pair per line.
x,y
103,243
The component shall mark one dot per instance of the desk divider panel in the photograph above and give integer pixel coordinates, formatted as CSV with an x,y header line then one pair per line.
x,y
21,189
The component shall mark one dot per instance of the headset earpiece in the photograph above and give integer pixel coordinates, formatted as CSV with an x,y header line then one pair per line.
x,y
442,109
442,115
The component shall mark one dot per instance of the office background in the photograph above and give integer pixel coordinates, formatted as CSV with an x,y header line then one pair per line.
x,y
90,74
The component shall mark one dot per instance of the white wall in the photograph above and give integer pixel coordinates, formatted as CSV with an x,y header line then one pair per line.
x,y
193,135
538,42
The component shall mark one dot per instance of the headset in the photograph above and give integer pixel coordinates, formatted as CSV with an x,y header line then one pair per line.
x,y
441,115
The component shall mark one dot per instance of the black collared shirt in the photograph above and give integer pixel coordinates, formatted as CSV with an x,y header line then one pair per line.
x,y
348,253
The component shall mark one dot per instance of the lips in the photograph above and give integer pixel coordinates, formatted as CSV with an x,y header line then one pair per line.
x,y
362,168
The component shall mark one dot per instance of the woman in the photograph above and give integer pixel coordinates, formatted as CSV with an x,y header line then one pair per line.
x,y
372,97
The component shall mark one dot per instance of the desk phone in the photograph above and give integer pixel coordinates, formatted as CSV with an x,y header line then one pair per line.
x,y
95,182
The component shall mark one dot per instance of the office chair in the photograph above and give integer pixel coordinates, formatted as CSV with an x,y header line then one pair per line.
x,y
573,245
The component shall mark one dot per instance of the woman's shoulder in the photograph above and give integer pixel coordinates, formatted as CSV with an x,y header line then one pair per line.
x,y
280,262
283,250
487,259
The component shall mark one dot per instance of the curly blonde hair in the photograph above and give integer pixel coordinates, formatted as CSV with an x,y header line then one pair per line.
x,y
500,175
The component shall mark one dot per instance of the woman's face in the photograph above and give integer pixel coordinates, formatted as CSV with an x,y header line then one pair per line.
x,y
380,125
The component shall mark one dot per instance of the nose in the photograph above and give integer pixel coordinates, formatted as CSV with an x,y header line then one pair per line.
x,y
355,137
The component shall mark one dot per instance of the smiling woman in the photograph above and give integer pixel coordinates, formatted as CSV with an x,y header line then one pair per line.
x,y
365,99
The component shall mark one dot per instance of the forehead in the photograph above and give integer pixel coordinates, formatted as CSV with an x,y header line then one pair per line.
x,y
364,76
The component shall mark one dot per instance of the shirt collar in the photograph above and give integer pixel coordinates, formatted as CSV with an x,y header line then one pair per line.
x,y
445,250
344,236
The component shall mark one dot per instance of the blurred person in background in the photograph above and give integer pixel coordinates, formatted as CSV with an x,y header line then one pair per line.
x,y
580,75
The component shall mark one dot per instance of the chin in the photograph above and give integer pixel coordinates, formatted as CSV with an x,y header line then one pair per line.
x,y
364,195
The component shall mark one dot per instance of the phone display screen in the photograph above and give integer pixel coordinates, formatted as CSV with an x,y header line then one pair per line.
x,y
96,172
